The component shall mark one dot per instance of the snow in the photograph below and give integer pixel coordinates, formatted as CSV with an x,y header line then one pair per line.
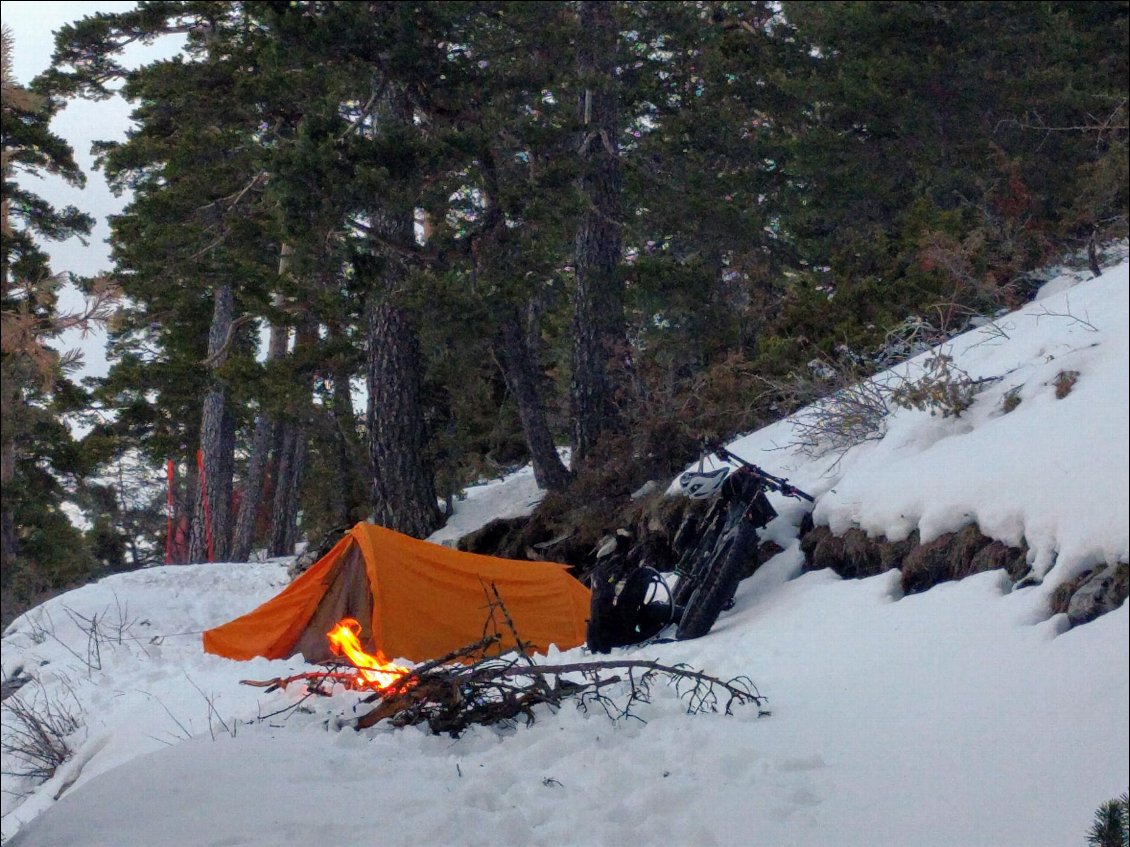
x,y
965,715
488,500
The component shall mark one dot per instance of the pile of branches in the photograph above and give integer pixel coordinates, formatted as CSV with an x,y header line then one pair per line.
x,y
451,694
476,684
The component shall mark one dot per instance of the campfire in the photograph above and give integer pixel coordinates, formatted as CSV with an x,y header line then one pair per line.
x,y
373,672
477,684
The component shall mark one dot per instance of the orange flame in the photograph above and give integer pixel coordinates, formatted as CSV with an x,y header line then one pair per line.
x,y
373,671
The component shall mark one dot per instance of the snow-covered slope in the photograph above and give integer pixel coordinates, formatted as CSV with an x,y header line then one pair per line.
x,y
961,716
1053,471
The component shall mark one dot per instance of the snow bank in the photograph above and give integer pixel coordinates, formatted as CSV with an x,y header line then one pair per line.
x,y
1053,472
962,715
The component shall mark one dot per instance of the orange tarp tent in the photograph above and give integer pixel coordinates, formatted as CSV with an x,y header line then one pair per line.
x,y
415,600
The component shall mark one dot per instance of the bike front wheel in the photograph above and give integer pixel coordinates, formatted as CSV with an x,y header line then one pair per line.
x,y
723,574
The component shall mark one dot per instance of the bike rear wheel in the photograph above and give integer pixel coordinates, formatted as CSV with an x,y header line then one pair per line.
x,y
723,573
694,564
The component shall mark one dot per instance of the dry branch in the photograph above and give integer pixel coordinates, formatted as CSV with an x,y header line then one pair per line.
x,y
470,686
449,699
36,735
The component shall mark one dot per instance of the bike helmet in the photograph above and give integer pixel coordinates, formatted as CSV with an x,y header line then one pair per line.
x,y
701,484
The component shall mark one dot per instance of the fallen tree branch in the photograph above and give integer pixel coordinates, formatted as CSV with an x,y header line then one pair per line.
x,y
314,677
450,693
450,699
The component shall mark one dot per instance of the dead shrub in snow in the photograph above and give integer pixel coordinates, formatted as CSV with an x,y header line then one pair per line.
x,y
855,408
853,413
1011,399
1064,381
34,739
942,387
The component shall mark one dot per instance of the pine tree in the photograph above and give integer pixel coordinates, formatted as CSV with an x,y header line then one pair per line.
x,y
373,217
1110,828
937,162
195,241
41,549
599,341
704,165
504,145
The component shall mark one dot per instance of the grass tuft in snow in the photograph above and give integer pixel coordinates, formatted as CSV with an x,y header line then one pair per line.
x,y
36,734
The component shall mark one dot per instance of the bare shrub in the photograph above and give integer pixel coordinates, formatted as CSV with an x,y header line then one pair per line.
x,y
36,729
1011,399
1069,315
915,335
854,407
852,414
942,387
109,628
1064,381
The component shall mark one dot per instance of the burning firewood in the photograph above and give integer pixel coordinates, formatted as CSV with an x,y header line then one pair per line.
x,y
471,686
451,698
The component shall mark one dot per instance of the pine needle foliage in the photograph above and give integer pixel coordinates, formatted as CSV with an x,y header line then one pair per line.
x,y
1110,827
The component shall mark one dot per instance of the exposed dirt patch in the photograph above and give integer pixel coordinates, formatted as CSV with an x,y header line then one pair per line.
x,y
657,530
853,555
1093,593
955,555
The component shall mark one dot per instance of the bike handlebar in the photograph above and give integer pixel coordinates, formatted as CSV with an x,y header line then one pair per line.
x,y
775,483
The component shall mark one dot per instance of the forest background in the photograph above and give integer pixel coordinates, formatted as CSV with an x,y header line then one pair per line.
x,y
375,251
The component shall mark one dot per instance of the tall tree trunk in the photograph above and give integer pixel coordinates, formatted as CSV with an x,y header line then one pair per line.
x,y
404,496
252,497
284,511
403,483
598,306
515,356
291,455
402,480
349,452
265,424
212,520
10,398
517,363
184,501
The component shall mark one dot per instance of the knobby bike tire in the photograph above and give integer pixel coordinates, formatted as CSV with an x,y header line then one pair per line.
x,y
693,567
600,612
722,578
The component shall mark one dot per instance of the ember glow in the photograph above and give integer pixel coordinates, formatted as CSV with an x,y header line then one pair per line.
x,y
373,671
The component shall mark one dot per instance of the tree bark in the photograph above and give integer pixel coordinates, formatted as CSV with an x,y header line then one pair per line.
x,y
284,510
349,451
252,498
291,461
517,363
210,539
403,482
404,497
10,544
251,501
511,345
598,307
